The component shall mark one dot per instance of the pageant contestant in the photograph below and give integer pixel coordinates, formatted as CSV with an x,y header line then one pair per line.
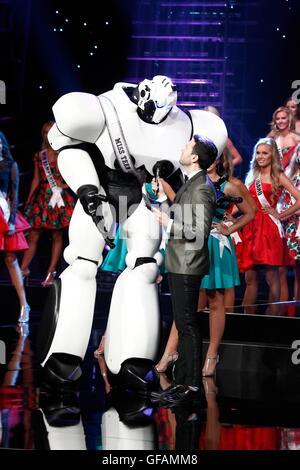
x,y
49,206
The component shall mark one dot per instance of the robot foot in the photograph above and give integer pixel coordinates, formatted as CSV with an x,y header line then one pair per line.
x,y
62,371
57,416
133,409
138,374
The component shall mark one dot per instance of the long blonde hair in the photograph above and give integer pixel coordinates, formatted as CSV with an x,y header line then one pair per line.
x,y
254,170
281,109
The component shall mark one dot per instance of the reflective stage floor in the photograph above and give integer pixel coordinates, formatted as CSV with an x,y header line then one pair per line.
x,y
253,403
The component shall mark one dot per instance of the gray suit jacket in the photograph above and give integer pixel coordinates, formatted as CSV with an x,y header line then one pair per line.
x,y
193,208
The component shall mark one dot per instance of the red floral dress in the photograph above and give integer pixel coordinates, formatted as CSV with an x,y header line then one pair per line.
x,y
291,225
287,153
39,213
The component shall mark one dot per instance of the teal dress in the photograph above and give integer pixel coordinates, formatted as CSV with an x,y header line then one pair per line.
x,y
223,271
115,258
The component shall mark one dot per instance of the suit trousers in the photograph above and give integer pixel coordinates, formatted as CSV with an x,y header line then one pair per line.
x,y
184,290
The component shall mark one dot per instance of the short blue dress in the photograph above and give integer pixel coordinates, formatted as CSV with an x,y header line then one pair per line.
x,y
223,270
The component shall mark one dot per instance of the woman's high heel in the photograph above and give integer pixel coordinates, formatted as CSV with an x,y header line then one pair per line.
x,y
210,365
49,279
166,360
25,273
100,350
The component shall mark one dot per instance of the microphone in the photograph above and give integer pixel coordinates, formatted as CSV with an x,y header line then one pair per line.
x,y
156,180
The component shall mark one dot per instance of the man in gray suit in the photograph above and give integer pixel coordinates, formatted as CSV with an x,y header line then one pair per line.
x,y
187,257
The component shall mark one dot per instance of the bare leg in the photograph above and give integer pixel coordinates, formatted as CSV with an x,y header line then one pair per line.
x,y
100,350
296,280
14,366
216,329
272,278
56,252
250,291
202,302
57,247
229,296
212,430
104,371
170,354
33,239
284,290
13,267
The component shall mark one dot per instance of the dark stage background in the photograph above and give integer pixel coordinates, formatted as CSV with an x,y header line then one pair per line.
x,y
238,55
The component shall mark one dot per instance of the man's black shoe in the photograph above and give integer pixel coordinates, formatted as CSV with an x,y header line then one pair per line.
x,y
175,395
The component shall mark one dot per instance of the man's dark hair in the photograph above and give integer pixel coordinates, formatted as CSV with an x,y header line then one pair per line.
x,y
206,150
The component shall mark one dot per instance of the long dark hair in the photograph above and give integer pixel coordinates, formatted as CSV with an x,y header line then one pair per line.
x,y
6,149
224,164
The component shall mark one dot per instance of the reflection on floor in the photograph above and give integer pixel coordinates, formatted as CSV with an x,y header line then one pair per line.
x,y
240,409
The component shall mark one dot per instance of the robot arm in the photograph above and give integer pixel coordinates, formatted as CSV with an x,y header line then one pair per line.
x,y
74,163
79,119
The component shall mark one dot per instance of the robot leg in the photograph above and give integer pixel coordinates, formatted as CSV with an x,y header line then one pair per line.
x,y
67,321
134,318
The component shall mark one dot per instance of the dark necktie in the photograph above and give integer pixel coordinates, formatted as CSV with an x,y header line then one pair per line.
x,y
186,178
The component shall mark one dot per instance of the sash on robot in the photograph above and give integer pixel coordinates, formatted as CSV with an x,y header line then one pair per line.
x,y
117,138
265,203
56,199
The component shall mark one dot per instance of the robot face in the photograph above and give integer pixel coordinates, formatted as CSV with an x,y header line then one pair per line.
x,y
156,98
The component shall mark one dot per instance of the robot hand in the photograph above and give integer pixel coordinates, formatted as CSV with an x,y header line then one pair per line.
x,y
91,202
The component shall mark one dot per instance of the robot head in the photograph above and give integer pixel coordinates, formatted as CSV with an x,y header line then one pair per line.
x,y
156,98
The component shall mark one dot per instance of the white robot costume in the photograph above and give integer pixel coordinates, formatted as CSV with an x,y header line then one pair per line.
x,y
107,144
